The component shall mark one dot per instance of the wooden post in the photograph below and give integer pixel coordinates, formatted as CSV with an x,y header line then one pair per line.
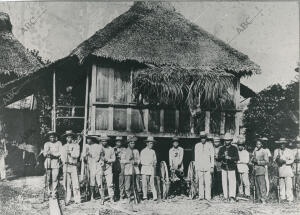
x,y
146,119
207,122
128,122
85,124
111,100
162,119
299,63
177,120
192,125
54,102
222,126
93,98
237,106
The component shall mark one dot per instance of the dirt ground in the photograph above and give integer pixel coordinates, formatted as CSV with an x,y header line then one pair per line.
x,y
25,196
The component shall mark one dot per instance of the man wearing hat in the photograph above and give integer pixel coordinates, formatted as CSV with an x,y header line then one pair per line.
x,y
92,156
131,168
284,158
264,141
296,166
109,159
148,161
52,151
175,162
118,169
217,178
243,169
260,159
69,157
228,155
204,165
3,154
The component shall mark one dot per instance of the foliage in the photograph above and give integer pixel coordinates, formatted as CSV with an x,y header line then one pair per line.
x,y
177,86
273,113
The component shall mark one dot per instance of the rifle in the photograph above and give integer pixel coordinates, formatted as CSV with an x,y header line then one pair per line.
x,y
135,194
87,185
46,187
278,178
296,177
66,176
254,177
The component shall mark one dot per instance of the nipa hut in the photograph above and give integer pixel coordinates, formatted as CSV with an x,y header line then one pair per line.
x,y
18,120
149,72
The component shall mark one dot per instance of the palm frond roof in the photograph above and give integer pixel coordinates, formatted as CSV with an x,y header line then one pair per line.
x,y
154,33
15,60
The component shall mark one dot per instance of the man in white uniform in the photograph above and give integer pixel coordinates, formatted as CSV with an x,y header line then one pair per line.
x,y
243,170
284,158
52,151
148,161
204,166
69,157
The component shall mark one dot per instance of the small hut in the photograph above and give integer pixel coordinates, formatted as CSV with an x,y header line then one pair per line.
x,y
149,72
18,119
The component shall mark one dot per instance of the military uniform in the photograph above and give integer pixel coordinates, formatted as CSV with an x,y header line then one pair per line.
x,y
3,153
132,161
148,161
285,172
93,155
109,158
204,166
243,170
70,155
118,171
52,152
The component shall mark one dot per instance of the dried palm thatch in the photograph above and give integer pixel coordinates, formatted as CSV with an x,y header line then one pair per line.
x,y
154,33
182,60
167,85
15,60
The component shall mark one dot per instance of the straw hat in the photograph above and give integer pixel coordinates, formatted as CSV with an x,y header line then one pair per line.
x,y
131,138
150,139
210,137
217,139
281,140
228,136
93,138
104,137
69,133
203,134
119,138
175,139
263,138
50,133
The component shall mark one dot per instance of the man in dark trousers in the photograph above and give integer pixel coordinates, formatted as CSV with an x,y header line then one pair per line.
x,y
217,178
260,159
229,156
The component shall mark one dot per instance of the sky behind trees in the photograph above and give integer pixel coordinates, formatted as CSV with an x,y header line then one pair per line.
x,y
268,32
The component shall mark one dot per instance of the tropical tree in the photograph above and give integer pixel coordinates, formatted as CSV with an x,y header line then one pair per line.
x,y
273,113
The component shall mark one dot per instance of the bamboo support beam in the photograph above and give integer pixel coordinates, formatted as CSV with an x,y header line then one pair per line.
x,y
54,101
128,122
85,123
222,126
177,120
237,106
162,119
93,98
207,122
146,120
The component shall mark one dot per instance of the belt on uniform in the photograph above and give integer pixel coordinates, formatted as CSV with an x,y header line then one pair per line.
x,y
73,164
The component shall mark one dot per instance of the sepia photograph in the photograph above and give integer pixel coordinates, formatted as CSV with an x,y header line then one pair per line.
x,y
149,107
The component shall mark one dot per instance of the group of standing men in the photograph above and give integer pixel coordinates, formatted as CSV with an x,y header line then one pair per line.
x,y
118,167
218,168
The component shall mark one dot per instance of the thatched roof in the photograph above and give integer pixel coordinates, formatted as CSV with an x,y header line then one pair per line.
x,y
15,60
154,33
179,59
